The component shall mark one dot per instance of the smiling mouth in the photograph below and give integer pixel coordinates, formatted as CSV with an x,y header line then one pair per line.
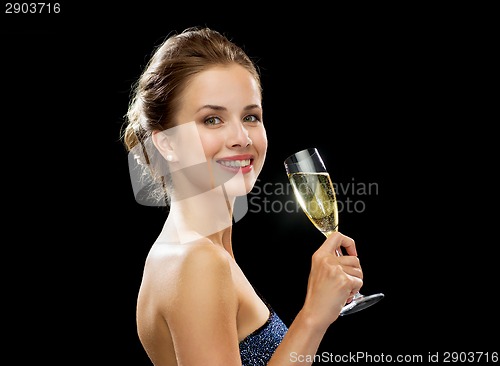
x,y
235,163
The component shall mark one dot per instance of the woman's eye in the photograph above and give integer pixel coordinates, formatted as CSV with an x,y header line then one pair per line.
x,y
212,121
250,118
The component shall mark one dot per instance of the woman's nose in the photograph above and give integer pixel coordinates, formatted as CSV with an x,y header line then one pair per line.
x,y
239,136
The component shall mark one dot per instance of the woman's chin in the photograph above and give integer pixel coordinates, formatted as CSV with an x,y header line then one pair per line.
x,y
237,191
239,185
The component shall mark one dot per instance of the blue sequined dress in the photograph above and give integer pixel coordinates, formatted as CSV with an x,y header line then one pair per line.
x,y
258,347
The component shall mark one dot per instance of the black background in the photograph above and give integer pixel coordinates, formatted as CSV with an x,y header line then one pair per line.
x,y
396,97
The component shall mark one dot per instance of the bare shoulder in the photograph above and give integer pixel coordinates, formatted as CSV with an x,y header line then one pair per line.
x,y
187,295
175,273
188,258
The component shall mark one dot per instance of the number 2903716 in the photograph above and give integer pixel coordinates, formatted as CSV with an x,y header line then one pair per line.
x,y
32,8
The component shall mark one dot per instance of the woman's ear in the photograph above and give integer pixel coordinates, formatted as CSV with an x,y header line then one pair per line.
x,y
162,142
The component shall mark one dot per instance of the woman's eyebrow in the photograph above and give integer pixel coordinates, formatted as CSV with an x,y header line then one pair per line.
x,y
212,107
221,108
252,106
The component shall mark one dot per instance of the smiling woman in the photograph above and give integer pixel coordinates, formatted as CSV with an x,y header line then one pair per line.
x,y
195,130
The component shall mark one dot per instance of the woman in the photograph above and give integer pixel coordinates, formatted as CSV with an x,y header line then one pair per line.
x,y
195,126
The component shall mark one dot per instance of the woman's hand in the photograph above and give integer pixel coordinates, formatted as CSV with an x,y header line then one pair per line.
x,y
333,279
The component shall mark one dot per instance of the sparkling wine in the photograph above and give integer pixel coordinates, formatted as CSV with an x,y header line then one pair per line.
x,y
315,193
316,196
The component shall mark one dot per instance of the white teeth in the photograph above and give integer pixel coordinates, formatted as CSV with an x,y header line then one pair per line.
x,y
235,163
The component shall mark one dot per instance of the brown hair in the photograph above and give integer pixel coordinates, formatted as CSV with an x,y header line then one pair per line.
x,y
156,94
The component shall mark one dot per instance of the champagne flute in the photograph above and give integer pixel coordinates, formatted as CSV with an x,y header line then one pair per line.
x,y
315,193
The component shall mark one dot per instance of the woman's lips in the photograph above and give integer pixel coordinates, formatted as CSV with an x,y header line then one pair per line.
x,y
234,164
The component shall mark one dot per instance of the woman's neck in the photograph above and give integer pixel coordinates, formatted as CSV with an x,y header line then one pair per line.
x,y
206,215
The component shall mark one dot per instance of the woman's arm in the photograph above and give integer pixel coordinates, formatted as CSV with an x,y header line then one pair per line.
x,y
332,281
202,319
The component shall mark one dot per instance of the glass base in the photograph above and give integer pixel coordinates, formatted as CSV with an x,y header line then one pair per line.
x,y
360,302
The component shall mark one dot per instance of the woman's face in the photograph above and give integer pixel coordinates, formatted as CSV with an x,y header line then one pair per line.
x,y
221,139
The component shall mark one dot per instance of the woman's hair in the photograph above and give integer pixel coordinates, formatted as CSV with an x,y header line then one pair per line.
x,y
156,94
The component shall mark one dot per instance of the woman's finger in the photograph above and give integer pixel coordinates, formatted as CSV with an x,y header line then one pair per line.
x,y
336,240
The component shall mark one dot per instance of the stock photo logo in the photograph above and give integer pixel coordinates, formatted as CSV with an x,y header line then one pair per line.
x,y
278,197
152,174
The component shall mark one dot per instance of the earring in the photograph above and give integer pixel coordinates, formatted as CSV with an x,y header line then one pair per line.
x,y
170,158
